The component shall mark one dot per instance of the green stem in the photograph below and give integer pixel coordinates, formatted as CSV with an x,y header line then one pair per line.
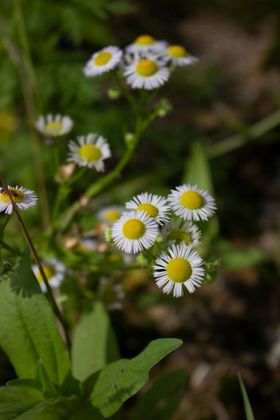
x,y
8,248
23,64
107,179
254,132
38,262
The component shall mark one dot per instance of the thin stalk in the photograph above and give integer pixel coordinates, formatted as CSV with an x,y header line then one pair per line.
x,y
104,182
24,67
8,248
38,262
238,140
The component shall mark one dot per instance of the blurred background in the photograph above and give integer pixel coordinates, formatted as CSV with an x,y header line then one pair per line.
x,y
225,118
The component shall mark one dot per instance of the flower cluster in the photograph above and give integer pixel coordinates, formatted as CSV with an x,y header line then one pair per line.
x,y
145,64
166,227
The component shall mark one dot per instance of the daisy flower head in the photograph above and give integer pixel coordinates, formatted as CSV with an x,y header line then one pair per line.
x,y
110,214
147,72
90,151
179,266
54,271
179,56
179,231
54,125
144,44
191,203
153,205
134,231
103,61
22,198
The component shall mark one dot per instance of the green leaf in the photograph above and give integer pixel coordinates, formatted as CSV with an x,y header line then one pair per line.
x,y
28,330
248,409
198,172
94,342
120,380
14,400
163,398
197,168
237,259
233,258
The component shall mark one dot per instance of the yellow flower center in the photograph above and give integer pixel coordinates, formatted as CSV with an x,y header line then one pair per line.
x,y
53,127
134,229
146,67
112,215
102,58
179,236
90,153
191,200
17,195
49,272
149,209
177,51
145,40
179,270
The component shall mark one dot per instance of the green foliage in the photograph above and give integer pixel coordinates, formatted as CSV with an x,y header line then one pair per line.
x,y
46,389
234,259
246,401
94,342
28,331
120,380
197,168
198,173
163,398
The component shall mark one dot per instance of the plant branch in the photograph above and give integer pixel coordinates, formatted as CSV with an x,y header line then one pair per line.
x,y
238,140
37,260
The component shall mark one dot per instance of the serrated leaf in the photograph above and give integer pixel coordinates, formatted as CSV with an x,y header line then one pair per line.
x,y
120,380
28,327
94,342
247,405
163,398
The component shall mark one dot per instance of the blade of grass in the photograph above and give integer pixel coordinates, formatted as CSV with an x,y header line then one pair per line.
x,y
247,405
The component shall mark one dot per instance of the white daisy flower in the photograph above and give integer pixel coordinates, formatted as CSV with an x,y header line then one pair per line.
x,y
54,125
110,214
192,203
179,266
179,231
103,61
90,151
111,293
146,73
54,270
179,56
153,205
22,198
134,231
145,43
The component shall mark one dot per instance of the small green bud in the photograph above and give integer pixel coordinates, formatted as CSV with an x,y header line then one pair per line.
x,y
108,235
142,260
114,93
163,108
129,138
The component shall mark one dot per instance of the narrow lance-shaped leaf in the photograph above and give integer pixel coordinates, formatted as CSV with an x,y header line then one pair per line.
x,y
28,330
120,380
94,342
247,405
